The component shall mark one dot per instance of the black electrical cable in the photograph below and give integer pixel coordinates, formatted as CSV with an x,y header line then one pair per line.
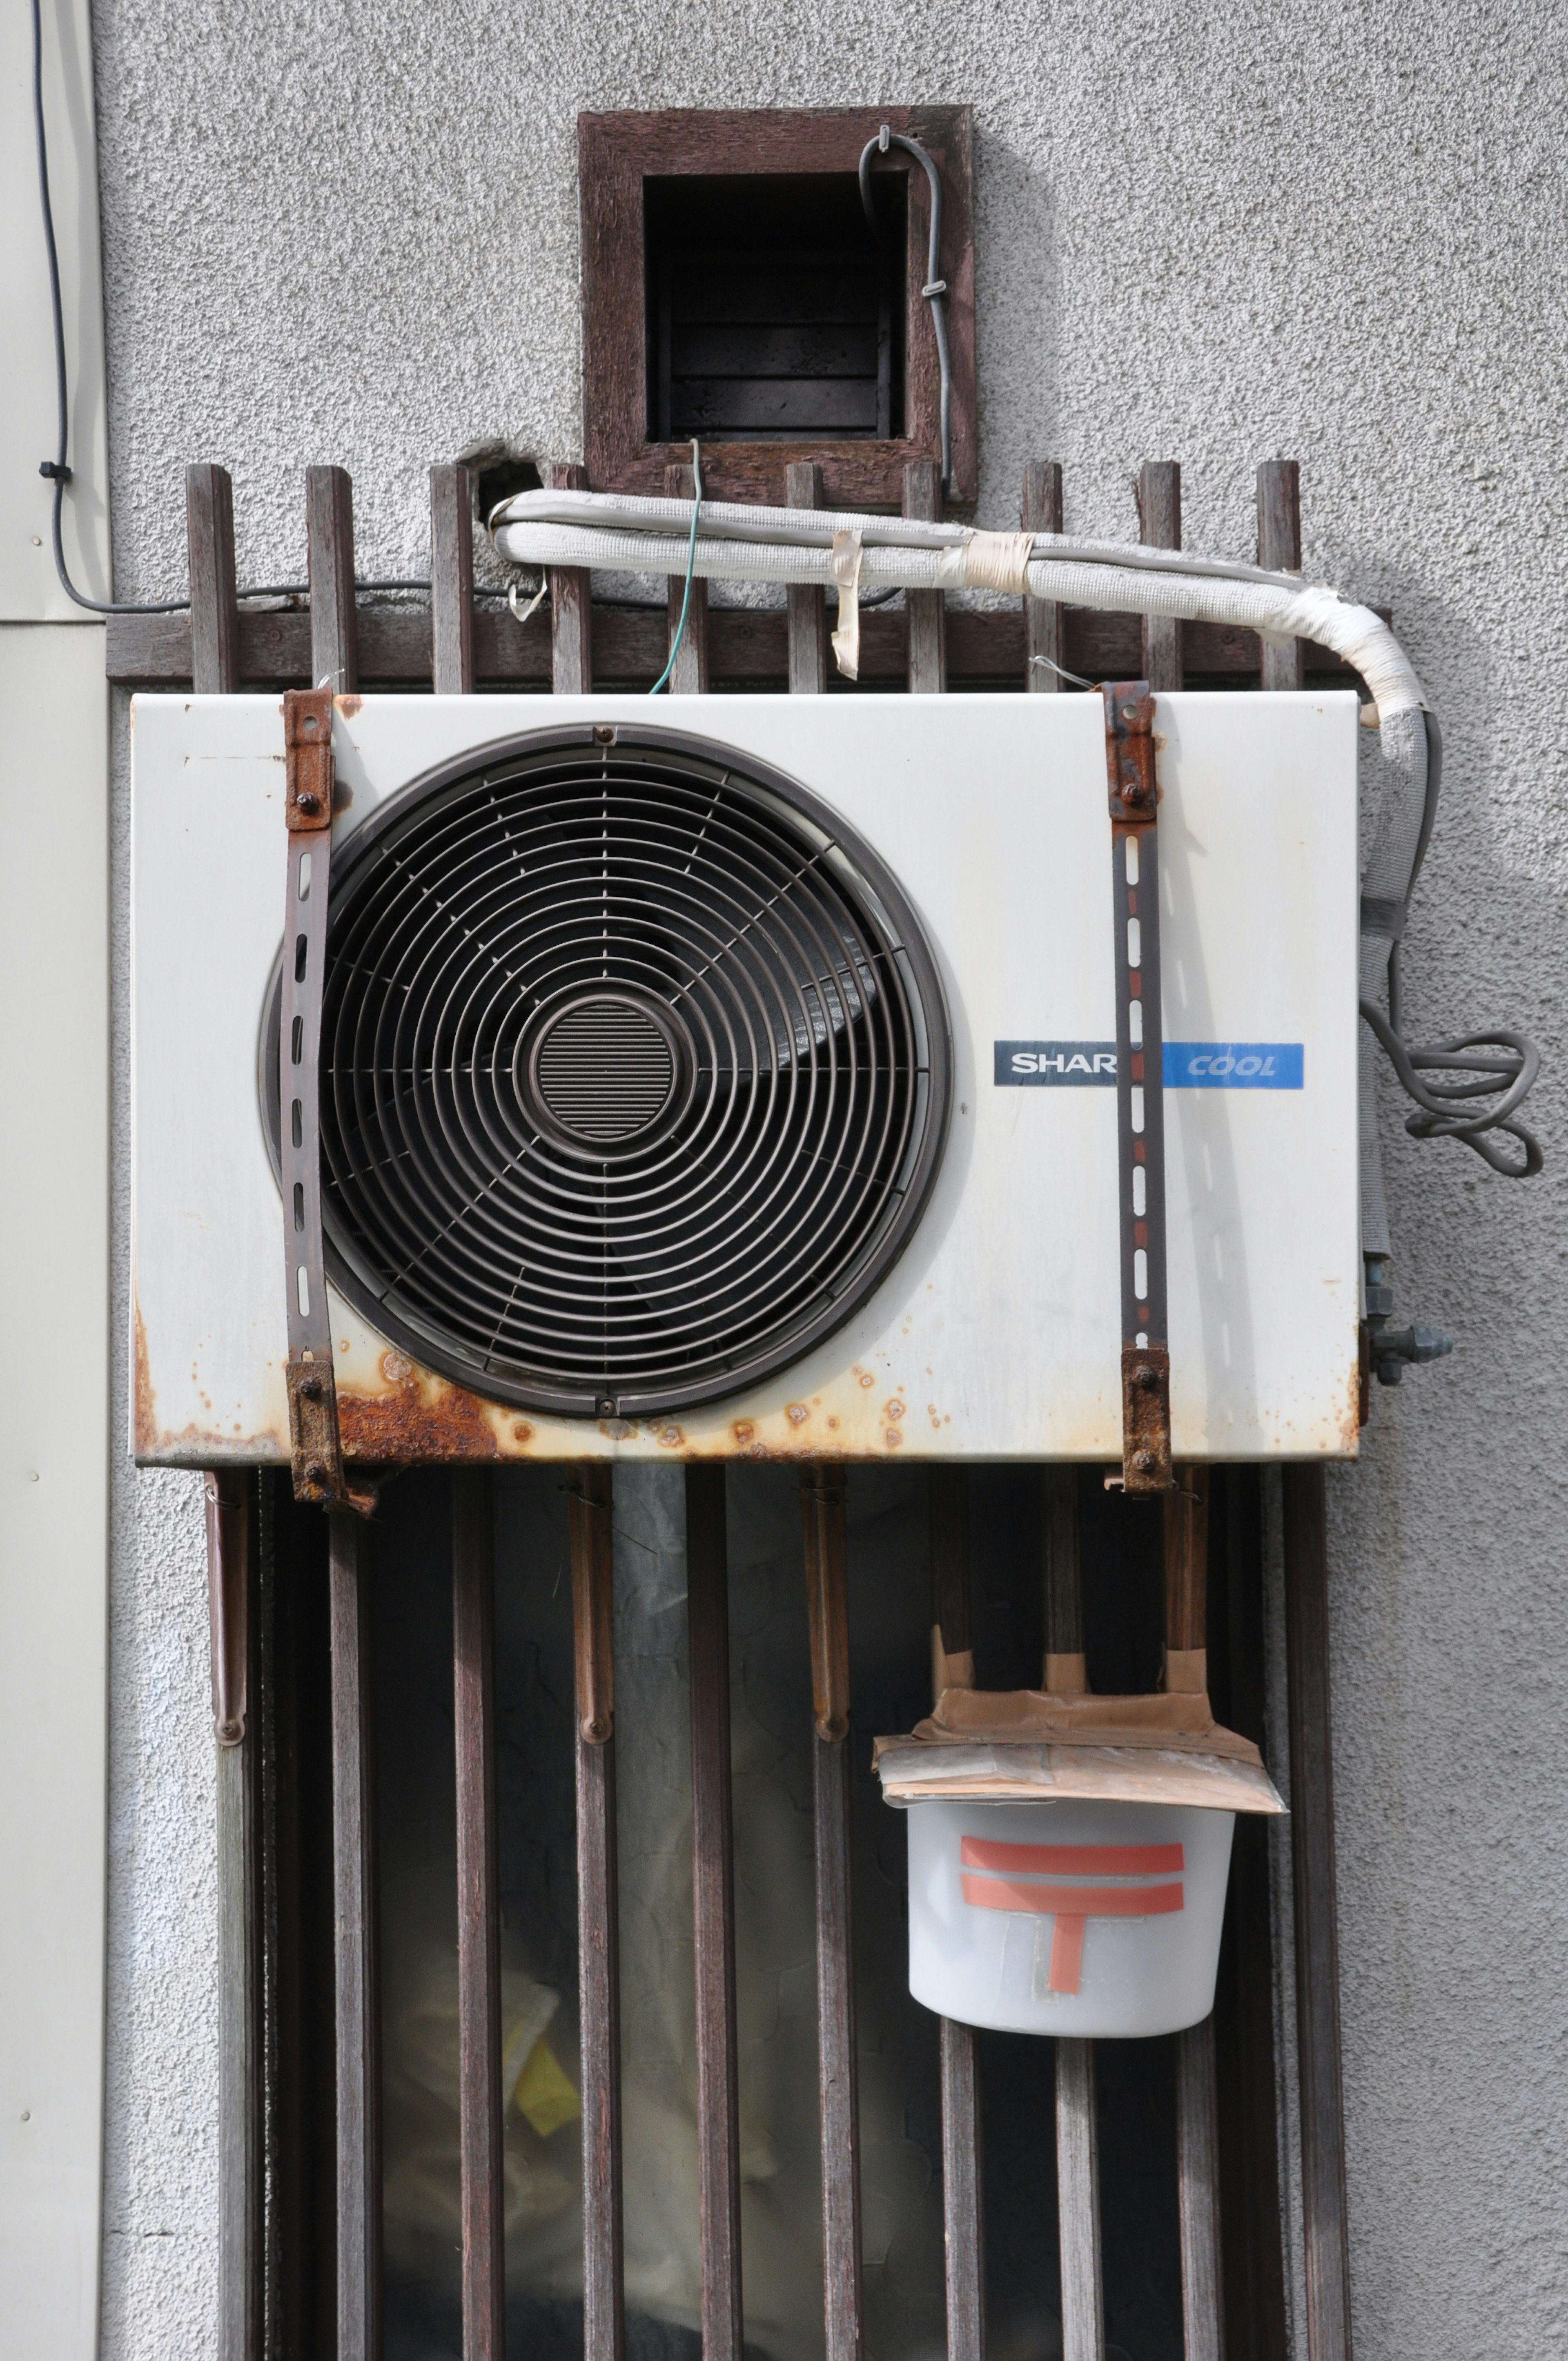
x,y
935,289
56,469
1511,1067
1500,1061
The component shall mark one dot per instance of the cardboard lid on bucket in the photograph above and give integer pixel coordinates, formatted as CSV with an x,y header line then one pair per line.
x,y
1031,1745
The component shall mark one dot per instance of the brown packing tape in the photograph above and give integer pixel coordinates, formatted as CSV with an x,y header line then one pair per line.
x,y
956,1671
1187,1672
1011,1717
1066,1675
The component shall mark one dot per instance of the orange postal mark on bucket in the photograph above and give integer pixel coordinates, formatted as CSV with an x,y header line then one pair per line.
x,y
1070,1905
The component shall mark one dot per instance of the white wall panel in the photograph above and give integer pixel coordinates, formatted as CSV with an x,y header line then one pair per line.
x,y
54,1393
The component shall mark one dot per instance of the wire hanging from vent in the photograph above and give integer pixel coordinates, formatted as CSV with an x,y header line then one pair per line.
x,y
935,288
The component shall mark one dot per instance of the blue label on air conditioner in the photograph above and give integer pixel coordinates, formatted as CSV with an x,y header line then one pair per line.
x,y
1232,1065
1189,1065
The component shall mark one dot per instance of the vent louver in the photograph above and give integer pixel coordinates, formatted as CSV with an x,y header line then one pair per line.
x,y
634,1072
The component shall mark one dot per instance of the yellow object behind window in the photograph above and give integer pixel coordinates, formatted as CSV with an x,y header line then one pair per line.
x,y
544,2095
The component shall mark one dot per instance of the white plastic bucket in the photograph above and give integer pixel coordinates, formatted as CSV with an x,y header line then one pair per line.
x,y
1094,1919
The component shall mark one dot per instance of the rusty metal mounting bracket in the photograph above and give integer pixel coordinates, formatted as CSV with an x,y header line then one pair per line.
x,y
1140,1086
315,1447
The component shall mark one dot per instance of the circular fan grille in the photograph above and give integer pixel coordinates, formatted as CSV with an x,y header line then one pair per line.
x,y
633,1073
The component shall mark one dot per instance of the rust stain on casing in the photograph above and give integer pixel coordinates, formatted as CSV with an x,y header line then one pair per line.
x,y
146,1411
420,1417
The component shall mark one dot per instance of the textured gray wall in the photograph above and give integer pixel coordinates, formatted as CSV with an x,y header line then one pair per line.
x,y
1215,234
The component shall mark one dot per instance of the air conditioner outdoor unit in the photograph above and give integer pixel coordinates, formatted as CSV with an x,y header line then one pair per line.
x,y
739,1075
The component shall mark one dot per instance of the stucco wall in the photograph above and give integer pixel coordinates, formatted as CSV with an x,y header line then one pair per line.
x,y
1215,234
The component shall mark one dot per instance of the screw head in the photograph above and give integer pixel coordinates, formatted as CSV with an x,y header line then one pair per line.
x,y
308,802
1145,1376
314,1472
603,734
1143,1461
312,1388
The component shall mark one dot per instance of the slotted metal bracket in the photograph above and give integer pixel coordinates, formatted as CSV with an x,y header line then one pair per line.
x,y
315,1446
1140,1086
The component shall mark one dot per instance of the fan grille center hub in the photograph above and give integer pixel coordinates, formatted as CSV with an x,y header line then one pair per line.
x,y
604,1069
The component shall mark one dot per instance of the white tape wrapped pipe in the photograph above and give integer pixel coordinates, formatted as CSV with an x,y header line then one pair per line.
x,y
740,543
736,543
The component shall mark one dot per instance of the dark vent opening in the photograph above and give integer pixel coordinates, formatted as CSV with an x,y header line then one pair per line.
x,y
498,479
773,313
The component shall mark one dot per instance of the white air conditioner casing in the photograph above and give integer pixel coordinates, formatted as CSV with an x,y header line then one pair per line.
x,y
996,1333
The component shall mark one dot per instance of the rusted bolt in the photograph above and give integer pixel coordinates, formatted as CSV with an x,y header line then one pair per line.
x,y
314,1472
1143,1461
1145,1376
312,1388
603,734
308,802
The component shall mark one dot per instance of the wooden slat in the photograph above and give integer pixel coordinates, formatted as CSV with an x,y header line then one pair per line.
x,y
1280,546
807,601
1197,2137
571,605
215,642
962,2216
823,1520
741,338
1042,617
926,609
1317,1927
688,677
952,1638
1253,2250
713,1899
353,1886
1186,1576
480,2098
1077,2173
239,2060
214,618
452,580
1077,2203
952,1666
823,305
747,644
1252,2255
1159,526
589,1520
807,410
240,2031
329,550
1197,2191
1066,1668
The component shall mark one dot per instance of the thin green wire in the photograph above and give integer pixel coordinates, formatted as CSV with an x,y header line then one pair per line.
x,y
691,563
